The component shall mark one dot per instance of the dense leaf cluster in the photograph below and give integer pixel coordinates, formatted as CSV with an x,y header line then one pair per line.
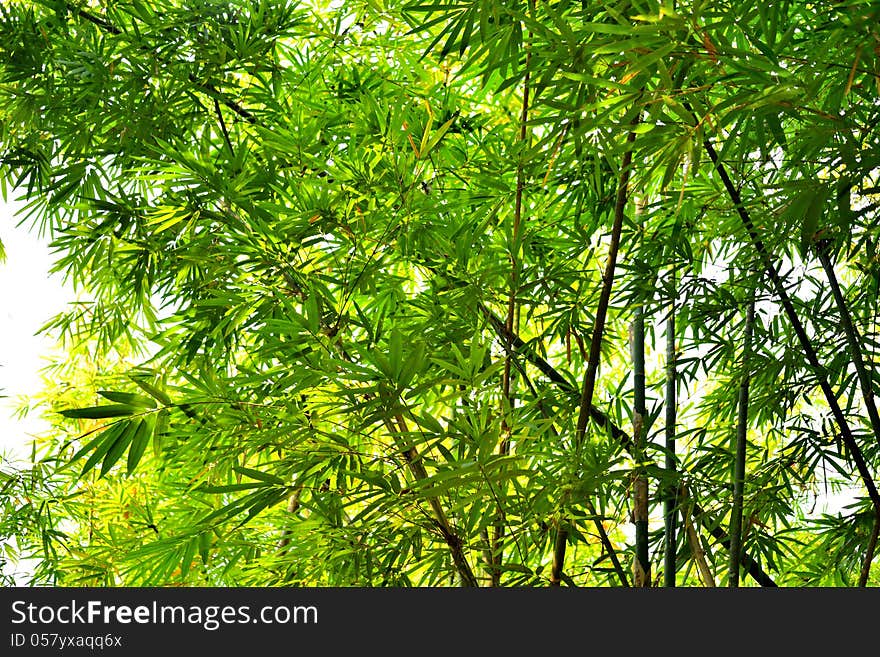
x,y
361,249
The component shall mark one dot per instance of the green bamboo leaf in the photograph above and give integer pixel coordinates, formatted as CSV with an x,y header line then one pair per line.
x,y
259,475
428,144
205,540
139,441
313,314
809,204
117,449
152,390
108,439
89,446
159,432
376,479
189,554
101,412
515,568
230,488
395,353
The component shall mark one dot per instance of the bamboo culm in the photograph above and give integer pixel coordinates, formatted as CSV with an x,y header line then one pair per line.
x,y
669,493
739,458
586,403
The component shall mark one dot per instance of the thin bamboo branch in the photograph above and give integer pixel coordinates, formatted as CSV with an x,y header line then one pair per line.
x,y
606,543
223,128
497,546
853,340
589,385
739,460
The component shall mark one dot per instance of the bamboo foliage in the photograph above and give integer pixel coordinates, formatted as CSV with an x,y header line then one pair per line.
x,y
358,282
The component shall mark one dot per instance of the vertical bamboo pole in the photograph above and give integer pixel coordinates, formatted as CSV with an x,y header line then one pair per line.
x,y
669,494
641,561
739,459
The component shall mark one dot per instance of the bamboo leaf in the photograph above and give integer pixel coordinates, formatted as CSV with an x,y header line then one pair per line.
x,y
139,441
259,475
100,449
101,412
117,449
429,144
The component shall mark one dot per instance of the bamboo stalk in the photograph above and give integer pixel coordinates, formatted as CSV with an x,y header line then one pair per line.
x,y
456,545
739,461
669,493
589,385
697,550
869,554
641,560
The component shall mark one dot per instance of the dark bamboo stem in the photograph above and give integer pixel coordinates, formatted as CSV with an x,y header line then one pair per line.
x,y
607,545
589,386
854,343
456,545
739,459
853,340
869,554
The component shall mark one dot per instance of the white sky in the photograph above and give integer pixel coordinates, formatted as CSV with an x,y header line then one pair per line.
x,y
29,297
